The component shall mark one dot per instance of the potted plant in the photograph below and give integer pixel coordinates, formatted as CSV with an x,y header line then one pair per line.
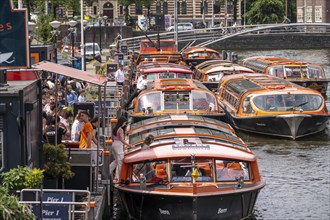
x,y
22,177
10,208
56,164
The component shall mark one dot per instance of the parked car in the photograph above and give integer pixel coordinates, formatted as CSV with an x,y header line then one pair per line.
x,y
182,27
92,51
200,25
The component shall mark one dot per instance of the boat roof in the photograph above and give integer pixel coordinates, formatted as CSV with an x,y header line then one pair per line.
x,y
179,120
163,67
71,72
175,147
177,84
267,61
227,67
165,46
195,49
208,63
241,83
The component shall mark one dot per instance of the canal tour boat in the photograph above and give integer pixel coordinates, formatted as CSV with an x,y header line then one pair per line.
x,y
269,105
175,96
211,75
196,168
197,54
302,73
160,51
157,70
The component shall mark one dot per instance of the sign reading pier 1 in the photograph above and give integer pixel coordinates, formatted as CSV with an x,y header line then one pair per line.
x,y
14,40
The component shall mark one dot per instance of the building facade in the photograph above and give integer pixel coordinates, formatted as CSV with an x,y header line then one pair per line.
x,y
313,11
188,10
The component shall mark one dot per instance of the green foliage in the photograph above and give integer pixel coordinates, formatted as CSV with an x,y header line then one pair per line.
x,y
55,162
265,12
11,209
22,177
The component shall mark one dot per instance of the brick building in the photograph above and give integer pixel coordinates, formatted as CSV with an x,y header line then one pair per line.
x,y
313,11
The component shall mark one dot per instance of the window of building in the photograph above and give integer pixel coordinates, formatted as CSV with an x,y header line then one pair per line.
x,y
216,9
178,7
184,8
121,9
300,15
138,9
158,7
204,7
309,14
165,8
318,14
94,10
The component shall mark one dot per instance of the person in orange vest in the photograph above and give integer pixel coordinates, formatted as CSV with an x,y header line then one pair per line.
x,y
86,134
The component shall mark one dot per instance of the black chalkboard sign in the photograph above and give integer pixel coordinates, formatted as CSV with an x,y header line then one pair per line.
x,y
124,49
120,56
111,68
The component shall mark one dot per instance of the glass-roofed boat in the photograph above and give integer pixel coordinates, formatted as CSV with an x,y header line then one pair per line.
x,y
196,168
269,105
175,96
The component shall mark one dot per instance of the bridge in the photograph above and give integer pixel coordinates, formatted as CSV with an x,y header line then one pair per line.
x,y
215,37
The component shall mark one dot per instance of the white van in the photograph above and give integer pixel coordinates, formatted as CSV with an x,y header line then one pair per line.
x,y
182,27
92,53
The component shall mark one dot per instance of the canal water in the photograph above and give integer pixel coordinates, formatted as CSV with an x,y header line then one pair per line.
x,y
297,172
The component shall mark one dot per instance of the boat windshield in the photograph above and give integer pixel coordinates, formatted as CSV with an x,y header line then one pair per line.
x,y
227,170
203,101
288,102
149,100
181,170
153,171
168,75
177,100
295,72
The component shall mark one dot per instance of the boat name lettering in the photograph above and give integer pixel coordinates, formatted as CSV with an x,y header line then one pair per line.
x,y
188,146
164,212
221,211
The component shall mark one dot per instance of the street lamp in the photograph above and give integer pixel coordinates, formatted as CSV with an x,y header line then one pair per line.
x,y
105,29
31,27
55,32
72,29
83,49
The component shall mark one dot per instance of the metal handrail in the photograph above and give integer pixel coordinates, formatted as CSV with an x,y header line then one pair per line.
x,y
212,35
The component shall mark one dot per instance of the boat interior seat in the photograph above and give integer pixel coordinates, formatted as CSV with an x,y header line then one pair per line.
x,y
160,170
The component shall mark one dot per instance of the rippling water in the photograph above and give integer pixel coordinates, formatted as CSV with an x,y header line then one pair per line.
x,y
297,172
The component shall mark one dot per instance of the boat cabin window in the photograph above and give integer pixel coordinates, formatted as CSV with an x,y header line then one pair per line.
x,y
214,77
151,76
230,170
315,72
203,101
181,170
154,171
288,102
294,72
184,76
247,108
176,100
167,75
276,71
149,100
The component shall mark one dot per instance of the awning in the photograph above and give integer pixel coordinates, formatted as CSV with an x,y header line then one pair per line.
x,y
71,72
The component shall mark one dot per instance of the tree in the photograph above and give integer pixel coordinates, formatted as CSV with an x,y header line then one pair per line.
x,y
265,12
126,4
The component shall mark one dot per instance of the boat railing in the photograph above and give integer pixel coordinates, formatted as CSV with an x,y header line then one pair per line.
x,y
58,203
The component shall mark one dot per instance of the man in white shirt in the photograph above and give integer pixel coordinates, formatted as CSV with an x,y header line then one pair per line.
x,y
141,85
120,76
